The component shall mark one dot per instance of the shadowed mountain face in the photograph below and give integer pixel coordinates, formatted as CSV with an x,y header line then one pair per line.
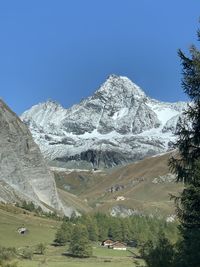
x,y
23,171
117,125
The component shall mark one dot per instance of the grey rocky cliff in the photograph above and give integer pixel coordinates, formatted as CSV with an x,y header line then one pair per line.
x,y
23,170
116,125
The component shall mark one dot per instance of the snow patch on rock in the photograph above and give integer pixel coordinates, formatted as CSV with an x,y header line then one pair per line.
x,y
116,125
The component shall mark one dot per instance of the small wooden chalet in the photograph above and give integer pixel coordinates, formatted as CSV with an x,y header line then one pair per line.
x,y
22,230
107,243
118,246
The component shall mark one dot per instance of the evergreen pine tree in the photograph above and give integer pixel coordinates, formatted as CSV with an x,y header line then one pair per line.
x,y
90,222
125,230
103,223
92,230
80,245
187,164
63,234
160,254
115,230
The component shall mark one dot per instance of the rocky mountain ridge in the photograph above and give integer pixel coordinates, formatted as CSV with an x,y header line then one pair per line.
x,y
24,174
118,124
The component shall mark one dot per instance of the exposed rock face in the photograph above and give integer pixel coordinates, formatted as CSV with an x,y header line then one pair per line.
x,y
123,211
164,179
171,124
117,125
23,171
115,188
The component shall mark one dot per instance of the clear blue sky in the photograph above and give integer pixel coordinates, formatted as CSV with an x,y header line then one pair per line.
x,y
64,49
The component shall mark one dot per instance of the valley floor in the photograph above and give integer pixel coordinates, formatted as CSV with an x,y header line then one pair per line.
x,y
43,230
101,257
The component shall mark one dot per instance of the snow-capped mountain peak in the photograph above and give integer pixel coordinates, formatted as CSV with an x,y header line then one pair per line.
x,y
117,124
121,85
43,114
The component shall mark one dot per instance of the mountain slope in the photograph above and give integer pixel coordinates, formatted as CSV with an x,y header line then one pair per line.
x,y
143,187
117,125
24,174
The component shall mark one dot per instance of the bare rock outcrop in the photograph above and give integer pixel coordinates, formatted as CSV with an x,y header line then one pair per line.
x,y
23,171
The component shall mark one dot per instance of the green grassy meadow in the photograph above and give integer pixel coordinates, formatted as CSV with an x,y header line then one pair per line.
x,y
101,257
43,230
39,230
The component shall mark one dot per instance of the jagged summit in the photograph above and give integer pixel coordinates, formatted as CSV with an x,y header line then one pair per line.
x,y
121,84
43,114
117,106
116,125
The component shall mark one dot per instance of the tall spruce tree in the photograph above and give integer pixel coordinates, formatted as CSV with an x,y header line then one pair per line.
x,y
186,165
63,234
160,254
80,245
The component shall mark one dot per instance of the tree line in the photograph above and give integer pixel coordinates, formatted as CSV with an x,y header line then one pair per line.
x,y
186,165
80,232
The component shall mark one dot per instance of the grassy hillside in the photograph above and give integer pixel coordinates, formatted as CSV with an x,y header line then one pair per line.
x,y
43,230
135,182
39,229
141,186
78,181
73,201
